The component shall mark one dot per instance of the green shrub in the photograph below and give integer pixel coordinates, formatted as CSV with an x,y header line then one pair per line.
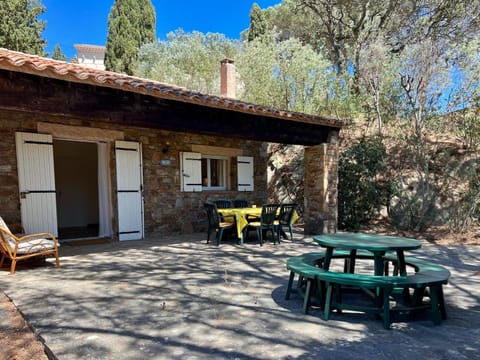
x,y
361,191
467,210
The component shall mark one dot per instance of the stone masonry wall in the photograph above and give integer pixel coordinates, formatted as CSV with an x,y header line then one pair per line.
x,y
321,179
167,210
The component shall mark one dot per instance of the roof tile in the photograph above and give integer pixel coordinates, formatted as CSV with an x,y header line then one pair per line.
x,y
40,66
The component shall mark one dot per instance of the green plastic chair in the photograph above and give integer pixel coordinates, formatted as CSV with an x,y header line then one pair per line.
x,y
240,203
223,204
285,219
267,222
217,224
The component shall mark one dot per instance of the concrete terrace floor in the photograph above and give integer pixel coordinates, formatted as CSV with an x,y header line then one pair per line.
x,y
180,298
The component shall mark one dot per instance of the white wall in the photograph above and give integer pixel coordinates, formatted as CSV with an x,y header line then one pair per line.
x,y
91,55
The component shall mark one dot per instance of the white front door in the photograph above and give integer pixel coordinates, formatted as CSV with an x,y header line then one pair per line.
x,y
36,178
129,190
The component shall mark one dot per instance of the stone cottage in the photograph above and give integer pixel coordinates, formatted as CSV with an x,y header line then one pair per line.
x,y
127,158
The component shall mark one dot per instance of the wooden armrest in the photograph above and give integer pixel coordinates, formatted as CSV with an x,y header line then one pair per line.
x,y
37,236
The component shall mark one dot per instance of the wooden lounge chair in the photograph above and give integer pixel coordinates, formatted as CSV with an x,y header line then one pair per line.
x,y
25,247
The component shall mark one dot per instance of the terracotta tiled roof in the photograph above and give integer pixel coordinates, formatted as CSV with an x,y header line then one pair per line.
x,y
40,66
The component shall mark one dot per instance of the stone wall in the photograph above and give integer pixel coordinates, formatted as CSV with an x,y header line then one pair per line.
x,y
321,179
169,210
166,209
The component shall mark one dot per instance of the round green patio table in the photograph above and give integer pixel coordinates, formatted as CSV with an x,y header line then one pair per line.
x,y
378,245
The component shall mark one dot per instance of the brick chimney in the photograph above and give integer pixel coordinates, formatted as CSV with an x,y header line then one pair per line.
x,y
227,78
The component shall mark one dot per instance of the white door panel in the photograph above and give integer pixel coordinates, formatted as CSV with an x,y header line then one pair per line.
x,y
36,178
129,190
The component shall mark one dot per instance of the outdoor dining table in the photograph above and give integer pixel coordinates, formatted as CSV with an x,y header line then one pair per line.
x,y
316,282
378,245
241,217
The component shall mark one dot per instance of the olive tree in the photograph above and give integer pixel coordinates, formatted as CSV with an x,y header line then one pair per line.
x,y
191,60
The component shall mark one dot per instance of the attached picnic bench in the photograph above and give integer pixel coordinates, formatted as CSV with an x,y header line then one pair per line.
x,y
327,285
306,266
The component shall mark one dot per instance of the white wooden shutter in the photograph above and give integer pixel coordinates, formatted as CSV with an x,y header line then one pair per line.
x,y
129,190
245,173
191,167
36,180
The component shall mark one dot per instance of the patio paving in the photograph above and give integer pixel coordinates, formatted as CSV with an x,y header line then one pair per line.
x,y
180,298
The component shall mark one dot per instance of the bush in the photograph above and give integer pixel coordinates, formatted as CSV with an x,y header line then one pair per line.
x,y
361,191
467,210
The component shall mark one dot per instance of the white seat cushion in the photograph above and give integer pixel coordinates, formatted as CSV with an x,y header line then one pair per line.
x,y
34,246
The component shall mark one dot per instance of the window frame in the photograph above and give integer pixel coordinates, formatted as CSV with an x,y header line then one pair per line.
x,y
226,166
191,169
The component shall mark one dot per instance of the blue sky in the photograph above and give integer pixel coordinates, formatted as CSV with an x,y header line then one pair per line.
x,y
85,22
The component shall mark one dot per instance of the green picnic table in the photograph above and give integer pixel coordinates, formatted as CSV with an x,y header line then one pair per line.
x,y
316,280
378,245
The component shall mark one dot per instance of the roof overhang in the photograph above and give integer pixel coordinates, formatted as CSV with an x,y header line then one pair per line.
x,y
113,97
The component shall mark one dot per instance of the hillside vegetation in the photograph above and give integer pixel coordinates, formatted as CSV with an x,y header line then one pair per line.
x,y
405,72
428,187
412,182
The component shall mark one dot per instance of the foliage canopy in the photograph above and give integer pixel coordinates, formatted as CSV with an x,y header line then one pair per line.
x,y
58,54
20,27
191,60
131,23
405,71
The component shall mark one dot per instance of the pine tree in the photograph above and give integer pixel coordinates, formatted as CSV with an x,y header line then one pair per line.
x,y
131,24
20,28
258,23
58,54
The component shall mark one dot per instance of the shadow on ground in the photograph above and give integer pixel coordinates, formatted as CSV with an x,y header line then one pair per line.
x,y
181,298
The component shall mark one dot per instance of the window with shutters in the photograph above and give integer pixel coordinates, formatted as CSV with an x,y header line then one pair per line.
x,y
214,172
210,172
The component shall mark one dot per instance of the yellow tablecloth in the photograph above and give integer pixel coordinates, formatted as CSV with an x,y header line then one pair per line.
x,y
241,216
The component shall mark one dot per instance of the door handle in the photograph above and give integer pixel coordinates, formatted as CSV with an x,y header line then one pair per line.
x,y
23,194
